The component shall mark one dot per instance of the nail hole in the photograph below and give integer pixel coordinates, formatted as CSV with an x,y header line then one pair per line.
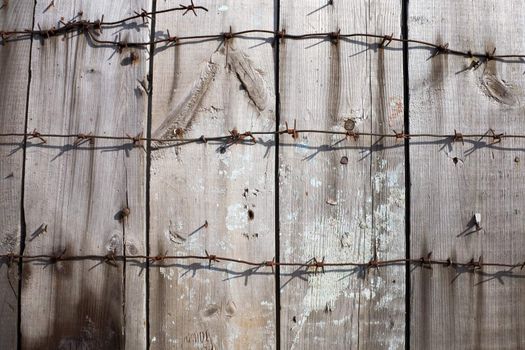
x,y
344,160
251,214
455,160
349,124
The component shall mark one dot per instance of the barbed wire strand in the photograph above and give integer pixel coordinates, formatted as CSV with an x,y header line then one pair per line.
x,y
111,258
94,28
235,136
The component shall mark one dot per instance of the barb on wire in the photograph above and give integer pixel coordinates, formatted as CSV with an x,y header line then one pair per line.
x,y
315,265
248,137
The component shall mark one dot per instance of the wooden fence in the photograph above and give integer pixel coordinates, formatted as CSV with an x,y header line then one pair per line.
x,y
258,175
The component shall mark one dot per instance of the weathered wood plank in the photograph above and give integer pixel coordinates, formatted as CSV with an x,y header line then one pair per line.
x,y
14,77
78,192
200,91
342,212
451,182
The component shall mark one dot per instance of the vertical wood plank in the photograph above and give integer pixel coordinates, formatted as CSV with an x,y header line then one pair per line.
x,y
14,78
342,212
78,192
454,308
201,92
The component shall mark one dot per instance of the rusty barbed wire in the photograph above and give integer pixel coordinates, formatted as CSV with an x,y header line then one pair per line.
x,y
94,28
87,25
313,263
236,137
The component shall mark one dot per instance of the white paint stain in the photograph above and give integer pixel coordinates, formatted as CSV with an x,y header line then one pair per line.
x,y
351,240
236,218
315,183
167,274
223,8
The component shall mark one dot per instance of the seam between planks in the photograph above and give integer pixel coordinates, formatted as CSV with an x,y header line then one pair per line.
x,y
406,116
23,228
277,23
149,81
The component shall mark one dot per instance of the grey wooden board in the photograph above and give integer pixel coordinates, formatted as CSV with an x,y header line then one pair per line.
x,y
197,89
79,191
336,211
14,77
451,182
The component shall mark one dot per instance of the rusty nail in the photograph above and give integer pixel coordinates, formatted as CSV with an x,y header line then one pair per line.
x,y
125,212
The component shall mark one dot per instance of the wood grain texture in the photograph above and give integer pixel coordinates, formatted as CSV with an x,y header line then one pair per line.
x,y
14,78
451,182
206,88
342,212
78,192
